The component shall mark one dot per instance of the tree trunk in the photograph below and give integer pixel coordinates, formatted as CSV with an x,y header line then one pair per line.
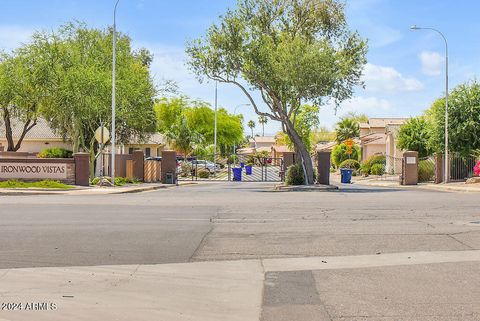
x,y
305,160
11,146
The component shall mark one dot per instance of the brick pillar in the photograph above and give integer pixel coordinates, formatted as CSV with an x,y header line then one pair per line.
x,y
323,168
439,166
138,164
410,168
82,169
288,160
169,164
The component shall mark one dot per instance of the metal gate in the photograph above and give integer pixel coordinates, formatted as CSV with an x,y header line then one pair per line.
x,y
227,168
427,169
393,168
461,168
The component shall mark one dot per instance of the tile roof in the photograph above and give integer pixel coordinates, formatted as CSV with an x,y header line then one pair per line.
x,y
41,131
281,148
263,139
382,122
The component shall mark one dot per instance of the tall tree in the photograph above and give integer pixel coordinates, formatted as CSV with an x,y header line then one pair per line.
x,y
80,98
463,120
251,125
199,117
291,51
24,79
414,135
262,120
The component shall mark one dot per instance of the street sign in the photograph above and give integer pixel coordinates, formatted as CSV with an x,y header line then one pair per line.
x,y
98,135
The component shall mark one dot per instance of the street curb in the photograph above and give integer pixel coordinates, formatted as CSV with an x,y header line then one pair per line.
x,y
69,192
424,187
305,188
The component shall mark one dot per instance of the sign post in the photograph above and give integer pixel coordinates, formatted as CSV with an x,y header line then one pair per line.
x,y
102,135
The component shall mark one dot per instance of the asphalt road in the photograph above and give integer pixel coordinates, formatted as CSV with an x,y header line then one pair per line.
x,y
222,221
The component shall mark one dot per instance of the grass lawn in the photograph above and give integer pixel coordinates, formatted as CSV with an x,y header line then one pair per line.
x,y
40,184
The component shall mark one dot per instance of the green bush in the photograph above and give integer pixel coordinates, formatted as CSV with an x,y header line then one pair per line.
x,y
186,169
377,169
366,166
295,175
203,173
119,181
55,153
426,170
350,164
339,154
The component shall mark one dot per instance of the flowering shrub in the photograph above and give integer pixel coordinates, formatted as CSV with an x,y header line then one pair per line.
x,y
476,169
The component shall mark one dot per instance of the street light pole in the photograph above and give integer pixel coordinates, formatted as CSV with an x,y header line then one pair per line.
x,y
215,130
446,169
235,114
114,61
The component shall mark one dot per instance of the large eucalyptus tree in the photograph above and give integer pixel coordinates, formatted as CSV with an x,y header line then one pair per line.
x,y
290,51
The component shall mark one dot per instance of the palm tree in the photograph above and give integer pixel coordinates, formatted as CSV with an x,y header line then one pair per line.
x,y
347,128
251,124
263,120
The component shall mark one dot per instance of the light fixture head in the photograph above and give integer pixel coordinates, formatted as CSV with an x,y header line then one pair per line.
x,y
414,27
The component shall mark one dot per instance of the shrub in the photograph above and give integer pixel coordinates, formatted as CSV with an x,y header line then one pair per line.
x,y
119,181
55,153
339,154
350,164
366,166
295,175
186,169
426,170
203,173
377,169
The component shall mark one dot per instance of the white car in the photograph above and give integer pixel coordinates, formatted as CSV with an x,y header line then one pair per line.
x,y
211,167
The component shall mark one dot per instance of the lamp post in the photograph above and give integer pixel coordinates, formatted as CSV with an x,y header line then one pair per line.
x,y
114,61
446,169
215,131
235,113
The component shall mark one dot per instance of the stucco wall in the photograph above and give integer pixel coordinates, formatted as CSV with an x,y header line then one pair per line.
x,y
38,146
372,149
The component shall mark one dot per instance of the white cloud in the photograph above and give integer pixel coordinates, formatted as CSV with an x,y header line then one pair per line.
x,y
365,105
388,79
432,63
11,37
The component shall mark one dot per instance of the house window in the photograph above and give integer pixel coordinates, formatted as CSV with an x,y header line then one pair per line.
x,y
130,150
147,152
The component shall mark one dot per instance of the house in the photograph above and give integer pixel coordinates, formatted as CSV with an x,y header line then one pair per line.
x,y
151,146
379,137
258,144
41,137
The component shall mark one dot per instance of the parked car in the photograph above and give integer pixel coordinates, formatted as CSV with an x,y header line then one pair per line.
x,y
211,167
155,158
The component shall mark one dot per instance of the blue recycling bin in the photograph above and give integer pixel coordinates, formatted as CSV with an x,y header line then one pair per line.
x,y
346,175
237,174
242,164
248,169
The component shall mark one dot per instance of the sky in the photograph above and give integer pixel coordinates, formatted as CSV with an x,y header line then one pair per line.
x,y
405,72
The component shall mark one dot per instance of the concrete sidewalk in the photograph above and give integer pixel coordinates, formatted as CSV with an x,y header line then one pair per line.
x,y
450,187
91,190
223,290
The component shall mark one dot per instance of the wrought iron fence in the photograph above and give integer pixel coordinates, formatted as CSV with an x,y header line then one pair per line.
x,y
461,167
393,168
245,168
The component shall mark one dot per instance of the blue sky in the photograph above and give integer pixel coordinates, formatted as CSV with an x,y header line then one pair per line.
x,y
404,74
